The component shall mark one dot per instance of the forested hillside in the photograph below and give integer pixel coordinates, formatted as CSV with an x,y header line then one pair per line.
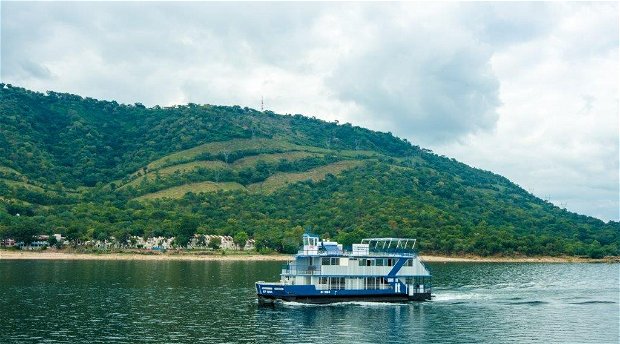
x,y
91,169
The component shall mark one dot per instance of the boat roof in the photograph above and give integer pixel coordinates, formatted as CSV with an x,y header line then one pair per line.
x,y
372,247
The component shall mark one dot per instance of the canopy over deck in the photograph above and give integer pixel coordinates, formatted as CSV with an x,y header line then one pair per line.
x,y
389,244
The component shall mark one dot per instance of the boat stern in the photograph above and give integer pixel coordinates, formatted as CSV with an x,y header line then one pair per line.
x,y
268,293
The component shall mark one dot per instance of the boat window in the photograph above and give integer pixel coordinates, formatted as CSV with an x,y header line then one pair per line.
x,y
323,280
380,262
336,283
325,261
362,262
335,261
370,283
370,262
409,262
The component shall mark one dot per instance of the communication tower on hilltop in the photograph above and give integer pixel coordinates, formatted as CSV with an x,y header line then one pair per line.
x,y
262,104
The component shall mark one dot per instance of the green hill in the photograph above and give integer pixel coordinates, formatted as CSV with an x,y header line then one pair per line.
x,y
93,169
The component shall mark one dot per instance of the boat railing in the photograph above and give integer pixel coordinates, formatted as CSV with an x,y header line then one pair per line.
x,y
392,252
371,253
294,269
362,286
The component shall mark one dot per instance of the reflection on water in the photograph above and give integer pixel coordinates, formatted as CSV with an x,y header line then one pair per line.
x,y
214,302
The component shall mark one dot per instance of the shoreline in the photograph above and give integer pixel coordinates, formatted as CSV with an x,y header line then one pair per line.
x,y
51,255
183,256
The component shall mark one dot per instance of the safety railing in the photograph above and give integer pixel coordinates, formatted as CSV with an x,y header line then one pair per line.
x,y
293,269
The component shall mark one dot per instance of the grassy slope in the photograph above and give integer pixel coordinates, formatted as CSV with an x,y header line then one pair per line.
x,y
180,191
237,145
176,163
274,157
22,184
8,170
271,184
166,171
281,180
219,148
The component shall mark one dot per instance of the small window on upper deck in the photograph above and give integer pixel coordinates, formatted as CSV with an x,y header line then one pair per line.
x,y
335,261
325,261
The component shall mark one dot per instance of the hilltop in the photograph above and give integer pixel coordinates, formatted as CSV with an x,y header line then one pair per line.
x,y
93,169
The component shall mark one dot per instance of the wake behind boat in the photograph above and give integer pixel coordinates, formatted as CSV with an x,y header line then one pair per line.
x,y
377,269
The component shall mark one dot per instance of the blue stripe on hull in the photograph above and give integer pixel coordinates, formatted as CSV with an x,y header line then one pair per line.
x,y
308,293
345,298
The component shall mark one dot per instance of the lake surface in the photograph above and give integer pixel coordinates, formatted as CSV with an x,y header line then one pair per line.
x,y
214,302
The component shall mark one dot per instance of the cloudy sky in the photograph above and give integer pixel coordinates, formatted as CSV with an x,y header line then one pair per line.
x,y
526,90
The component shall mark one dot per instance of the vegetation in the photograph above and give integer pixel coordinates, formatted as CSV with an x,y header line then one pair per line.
x,y
91,169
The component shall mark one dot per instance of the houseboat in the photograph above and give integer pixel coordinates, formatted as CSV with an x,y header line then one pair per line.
x,y
377,269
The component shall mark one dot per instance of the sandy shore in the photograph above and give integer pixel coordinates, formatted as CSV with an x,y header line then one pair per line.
x,y
50,255
54,255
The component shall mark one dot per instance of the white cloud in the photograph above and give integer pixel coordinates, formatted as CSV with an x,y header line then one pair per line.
x,y
424,79
528,90
557,133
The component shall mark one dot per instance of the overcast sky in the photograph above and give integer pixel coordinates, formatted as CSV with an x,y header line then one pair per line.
x,y
526,90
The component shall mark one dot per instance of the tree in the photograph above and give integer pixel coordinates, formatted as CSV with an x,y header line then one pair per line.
x,y
185,231
215,243
291,240
4,232
52,241
202,240
121,236
25,230
240,239
73,233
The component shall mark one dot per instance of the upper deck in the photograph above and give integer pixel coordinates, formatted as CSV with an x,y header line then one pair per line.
x,y
373,257
371,247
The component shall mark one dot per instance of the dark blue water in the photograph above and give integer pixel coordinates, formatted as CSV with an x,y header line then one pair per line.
x,y
214,302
